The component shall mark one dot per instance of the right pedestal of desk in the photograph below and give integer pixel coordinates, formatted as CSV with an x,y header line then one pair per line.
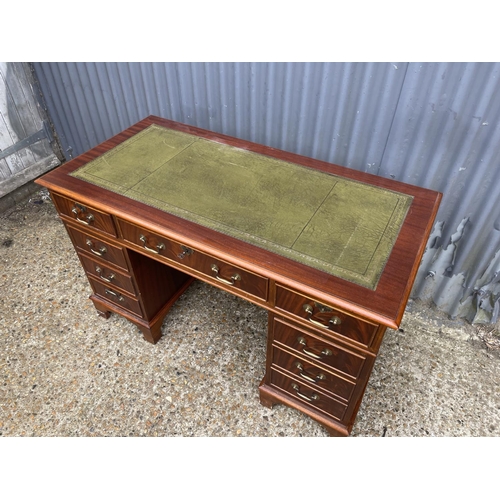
x,y
319,359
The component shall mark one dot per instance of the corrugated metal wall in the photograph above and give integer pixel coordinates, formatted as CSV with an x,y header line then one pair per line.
x,y
432,124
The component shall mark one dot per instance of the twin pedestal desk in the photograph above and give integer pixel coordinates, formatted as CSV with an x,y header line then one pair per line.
x,y
331,253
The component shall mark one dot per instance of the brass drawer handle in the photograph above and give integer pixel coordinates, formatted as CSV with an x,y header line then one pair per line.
x,y
305,375
334,320
324,352
235,277
111,277
144,240
99,252
77,210
114,294
314,396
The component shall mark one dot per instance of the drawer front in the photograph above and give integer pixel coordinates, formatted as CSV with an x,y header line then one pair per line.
x,y
106,275
309,395
116,296
99,248
314,375
318,350
85,215
323,317
154,243
232,276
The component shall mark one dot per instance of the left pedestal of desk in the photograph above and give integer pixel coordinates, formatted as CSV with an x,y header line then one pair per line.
x,y
125,282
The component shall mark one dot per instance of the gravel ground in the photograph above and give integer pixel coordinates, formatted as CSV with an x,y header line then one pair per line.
x,y
64,371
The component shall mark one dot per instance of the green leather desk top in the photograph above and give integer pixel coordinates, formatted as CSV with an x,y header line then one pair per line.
x,y
343,227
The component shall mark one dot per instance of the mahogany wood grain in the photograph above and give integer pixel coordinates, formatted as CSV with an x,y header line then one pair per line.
x,y
343,324
384,305
156,283
98,246
270,395
307,395
155,255
177,254
304,342
151,329
85,215
305,369
116,296
102,271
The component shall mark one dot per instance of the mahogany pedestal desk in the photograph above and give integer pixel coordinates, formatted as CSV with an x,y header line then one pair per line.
x,y
330,252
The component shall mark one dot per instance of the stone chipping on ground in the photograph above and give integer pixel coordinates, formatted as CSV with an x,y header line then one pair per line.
x,y
64,371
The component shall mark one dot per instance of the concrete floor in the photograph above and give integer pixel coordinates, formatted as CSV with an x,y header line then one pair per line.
x,y
64,371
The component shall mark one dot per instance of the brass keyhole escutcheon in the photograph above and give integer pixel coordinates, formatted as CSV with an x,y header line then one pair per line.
x,y
185,252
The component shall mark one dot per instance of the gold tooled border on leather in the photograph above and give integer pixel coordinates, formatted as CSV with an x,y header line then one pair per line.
x,y
342,227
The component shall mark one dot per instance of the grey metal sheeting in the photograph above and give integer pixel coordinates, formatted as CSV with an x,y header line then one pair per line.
x,y
431,124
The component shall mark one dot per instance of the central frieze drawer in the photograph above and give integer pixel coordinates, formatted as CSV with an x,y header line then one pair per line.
x,y
233,277
323,317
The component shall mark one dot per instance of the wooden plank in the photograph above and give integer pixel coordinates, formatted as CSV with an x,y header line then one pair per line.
x,y
26,119
21,117
22,177
12,163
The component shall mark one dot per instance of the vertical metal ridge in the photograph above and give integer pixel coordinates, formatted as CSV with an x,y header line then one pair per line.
x,y
435,125
384,149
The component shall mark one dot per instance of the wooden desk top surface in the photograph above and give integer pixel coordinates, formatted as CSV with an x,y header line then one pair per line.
x,y
347,235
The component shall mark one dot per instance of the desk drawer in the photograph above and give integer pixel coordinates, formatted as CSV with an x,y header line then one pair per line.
x,y
324,318
99,248
106,275
114,295
318,350
308,395
85,215
233,277
316,376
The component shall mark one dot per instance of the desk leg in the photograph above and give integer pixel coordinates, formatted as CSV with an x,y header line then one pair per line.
x,y
149,326
151,334
102,311
265,400
151,330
